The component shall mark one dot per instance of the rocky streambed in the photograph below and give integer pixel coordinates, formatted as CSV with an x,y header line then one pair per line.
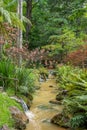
x,y
45,107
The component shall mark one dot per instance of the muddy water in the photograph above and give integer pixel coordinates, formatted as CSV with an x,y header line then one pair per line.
x,y
42,111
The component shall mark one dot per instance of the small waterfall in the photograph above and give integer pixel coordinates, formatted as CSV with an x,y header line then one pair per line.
x,y
41,80
24,105
51,74
28,113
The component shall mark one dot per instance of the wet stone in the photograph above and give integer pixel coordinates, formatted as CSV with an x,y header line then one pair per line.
x,y
51,86
46,120
55,102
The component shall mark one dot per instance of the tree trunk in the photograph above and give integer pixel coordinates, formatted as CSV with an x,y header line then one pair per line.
x,y
19,42
20,38
28,15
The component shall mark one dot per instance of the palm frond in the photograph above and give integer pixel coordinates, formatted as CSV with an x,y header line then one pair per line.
x,y
10,3
16,21
1,3
5,14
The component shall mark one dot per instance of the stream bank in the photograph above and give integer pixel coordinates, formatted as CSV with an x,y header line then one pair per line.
x,y
41,110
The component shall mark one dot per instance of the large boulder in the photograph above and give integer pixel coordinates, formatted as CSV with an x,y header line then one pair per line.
x,y
20,118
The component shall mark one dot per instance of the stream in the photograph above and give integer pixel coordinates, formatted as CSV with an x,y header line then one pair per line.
x,y
41,110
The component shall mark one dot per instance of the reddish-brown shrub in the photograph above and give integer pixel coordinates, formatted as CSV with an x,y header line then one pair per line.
x,y
78,57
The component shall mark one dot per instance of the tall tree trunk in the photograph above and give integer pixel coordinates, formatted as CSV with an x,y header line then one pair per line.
x,y
28,15
20,38
20,12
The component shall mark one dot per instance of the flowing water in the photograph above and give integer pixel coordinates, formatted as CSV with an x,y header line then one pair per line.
x,y
42,111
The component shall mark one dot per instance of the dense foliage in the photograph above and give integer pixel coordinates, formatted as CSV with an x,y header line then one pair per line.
x,y
73,93
53,17
24,78
57,34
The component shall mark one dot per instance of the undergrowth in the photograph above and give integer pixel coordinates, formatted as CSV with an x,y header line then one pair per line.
x,y
73,81
5,115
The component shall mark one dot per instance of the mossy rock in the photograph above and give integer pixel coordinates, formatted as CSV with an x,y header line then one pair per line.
x,y
60,120
19,117
55,102
61,95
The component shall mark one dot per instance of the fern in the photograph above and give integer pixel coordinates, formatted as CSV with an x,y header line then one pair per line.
x,y
77,121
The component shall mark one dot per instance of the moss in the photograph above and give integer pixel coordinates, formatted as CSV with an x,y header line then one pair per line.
x,y
10,91
5,115
61,120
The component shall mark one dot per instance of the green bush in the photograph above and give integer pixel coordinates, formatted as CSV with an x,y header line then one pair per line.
x,y
26,78
7,70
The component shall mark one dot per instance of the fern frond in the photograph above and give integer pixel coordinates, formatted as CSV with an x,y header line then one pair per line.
x,y
10,3
16,21
26,20
4,13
